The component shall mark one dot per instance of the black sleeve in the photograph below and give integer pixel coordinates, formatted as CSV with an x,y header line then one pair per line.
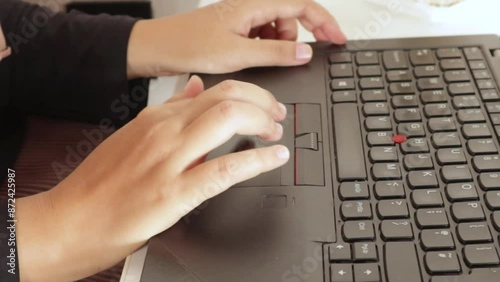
x,y
69,65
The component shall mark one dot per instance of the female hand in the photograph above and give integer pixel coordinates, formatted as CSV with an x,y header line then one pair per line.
x,y
146,177
221,37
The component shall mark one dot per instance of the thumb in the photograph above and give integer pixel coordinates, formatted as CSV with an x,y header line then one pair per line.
x,y
276,53
193,88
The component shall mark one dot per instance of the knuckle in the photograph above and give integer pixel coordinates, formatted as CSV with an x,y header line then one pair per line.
x,y
231,87
224,168
226,110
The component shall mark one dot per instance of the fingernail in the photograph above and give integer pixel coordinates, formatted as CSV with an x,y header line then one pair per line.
x,y
282,108
303,52
283,153
188,82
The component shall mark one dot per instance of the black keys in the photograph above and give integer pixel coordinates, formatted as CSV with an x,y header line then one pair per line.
x,y
446,53
435,96
481,255
422,57
358,231
404,101
477,65
342,84
442,262
469,233
349,144
456,76
418,162
484,84
495,218
470,116
422,179
364,71
402,88
377,123
489,95
399,76
389,209
467,211
407,115
386,171
383,154
437,239
492,199
489,181
461,88
446,140
457,192
365,251
465,102
427,198
376,109
476,131
415,145
371,83
426,71
473,53
486,163
401,262
396,230
495,118
341,272
451,156
389,190
433,83
441,124
353,191
381,138
341,57
409,130
341,70
356,210
455,173
366,272
374,95
437,110
347,96
481,74
367,58
493,108
431,218
452,64
476,275
340,252
394,60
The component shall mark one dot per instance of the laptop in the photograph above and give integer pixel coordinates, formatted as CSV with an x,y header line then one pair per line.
x,y
394,173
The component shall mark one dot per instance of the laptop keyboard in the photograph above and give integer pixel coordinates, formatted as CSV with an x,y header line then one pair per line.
x,y
416,136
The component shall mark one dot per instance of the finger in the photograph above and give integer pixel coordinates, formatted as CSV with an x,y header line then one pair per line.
x,y
320,35
268,31
231,90
287,29
217,125
193,88
273,53
215,176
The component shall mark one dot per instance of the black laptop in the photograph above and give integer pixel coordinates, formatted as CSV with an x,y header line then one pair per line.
x,y
394,174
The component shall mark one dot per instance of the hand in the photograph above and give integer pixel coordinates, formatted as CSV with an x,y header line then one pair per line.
x,y
221,37
146,177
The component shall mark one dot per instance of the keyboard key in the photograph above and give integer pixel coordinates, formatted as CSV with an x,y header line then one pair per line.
x,y
489,181
437,239
365,251
415,145
365,71
376,109
341,70
481,255
404,101
353,191
421,57
455,173
426,198
340,252
343,84
476,275
493,108
446,140
367,58
492,199
389,190
451,156
495,118
442,262
433,83
374,95
477,65
396,230
371,83
461,88
487,163
489,95
437,110
383,154
476,131
485,84
456,76
457,192
382,138
409,130
399,76
467,211
402,88
386,171
432,218
495,218
481,74
426,71
407,115
434,96
469,233
366,272
470,116
341,57
446,53
441,124
390,209
356,210
344,97
358,231
422,179
418,162
394,60
349,146
341,272
377,123
452,64
466,102
473,53
401,262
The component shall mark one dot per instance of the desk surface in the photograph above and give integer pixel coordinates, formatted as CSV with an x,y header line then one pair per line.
x,y
365,19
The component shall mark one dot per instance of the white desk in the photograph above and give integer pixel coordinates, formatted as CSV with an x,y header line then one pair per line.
x,y
365,19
